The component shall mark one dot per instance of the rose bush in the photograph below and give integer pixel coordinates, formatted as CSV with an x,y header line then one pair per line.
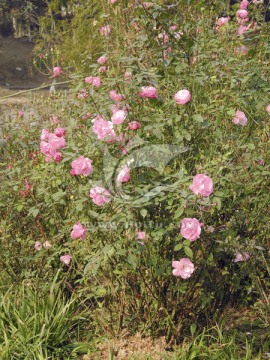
x,y
133,186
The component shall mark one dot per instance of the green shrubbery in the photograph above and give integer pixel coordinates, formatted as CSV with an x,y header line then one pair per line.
x,y
129,283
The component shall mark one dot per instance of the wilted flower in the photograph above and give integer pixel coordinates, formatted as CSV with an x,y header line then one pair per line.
x,y
183,268
47,245
65,259
244,256
105,30
38,245
240,118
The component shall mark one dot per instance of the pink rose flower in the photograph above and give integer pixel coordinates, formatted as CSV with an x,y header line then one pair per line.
x,y
268,108
57,157
100,195
190,228
94,80
115,96
244,4
20,113
60,132
202,185
65,259
242,29
183,268
241,256
222,21
105,30
78,231
141,235
242,14
134,125
113,1
124,175
148,92
57,71
118,117
104,129
38,245
47,245
82,166
44,135
102,60
240,118
182,97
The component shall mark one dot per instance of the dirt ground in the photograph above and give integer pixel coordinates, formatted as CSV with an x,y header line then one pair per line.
x,y
16,70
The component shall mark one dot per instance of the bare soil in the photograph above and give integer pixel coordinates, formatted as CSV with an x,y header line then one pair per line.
x,y
16,69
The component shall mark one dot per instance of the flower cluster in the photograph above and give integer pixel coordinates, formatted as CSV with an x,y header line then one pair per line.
x,y
51,142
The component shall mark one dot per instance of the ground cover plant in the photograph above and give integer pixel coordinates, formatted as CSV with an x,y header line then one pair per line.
x,y
147,184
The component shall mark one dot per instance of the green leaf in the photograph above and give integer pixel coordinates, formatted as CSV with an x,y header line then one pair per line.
x,y
198,118
143,212
188,252
178,247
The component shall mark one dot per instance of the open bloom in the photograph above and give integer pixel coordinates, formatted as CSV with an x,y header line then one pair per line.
x,y
94,80
57,71
240,118
182,97
148,92
116,97
242,14
78,231
202,185
141,235
124,175
104,129
102,60
183,268
100,195
268,108
191,228
241,256
65,259
222,21
118,117
244,4
82,166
